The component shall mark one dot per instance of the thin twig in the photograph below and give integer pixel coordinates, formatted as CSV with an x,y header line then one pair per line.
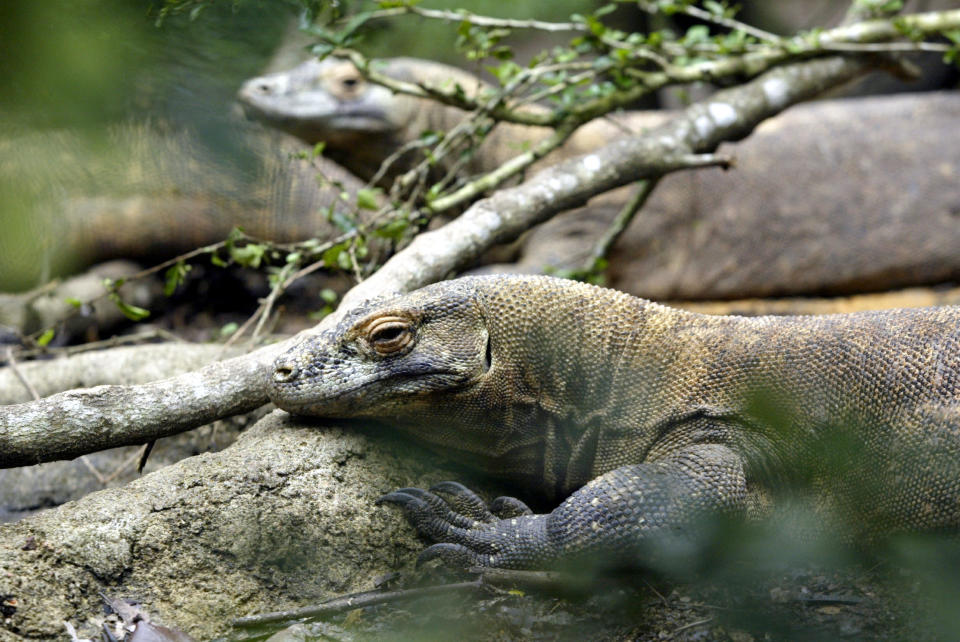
x,y
112,342
145,454
482,21
692,625
731,23
12,362
93,469
354,601
271,299
510,168
129,461
883,47
620,222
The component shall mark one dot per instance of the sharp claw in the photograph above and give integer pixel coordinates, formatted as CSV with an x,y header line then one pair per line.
x,y
451,554
507,507
463,501
399,497
451,487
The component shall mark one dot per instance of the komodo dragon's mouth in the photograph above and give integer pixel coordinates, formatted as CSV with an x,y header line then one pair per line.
x,y
289,396
353,117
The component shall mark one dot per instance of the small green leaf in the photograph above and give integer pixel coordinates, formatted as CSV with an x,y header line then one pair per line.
x,y
216,260
393,230
318,149
331,257
132,312
45,338
74,302
367,199
344,221
229,329
697,34
322,50
714,7
250,255
328,295
236,234
175,276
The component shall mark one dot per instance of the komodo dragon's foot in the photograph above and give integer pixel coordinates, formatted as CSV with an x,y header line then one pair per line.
x,y
468,533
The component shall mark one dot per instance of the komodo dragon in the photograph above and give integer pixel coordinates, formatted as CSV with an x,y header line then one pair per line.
x,y
149,191
641,416
819,202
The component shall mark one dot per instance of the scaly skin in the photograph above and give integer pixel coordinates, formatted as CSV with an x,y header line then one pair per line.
x,y
644,417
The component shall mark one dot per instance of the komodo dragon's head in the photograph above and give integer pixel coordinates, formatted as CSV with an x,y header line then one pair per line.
x,y
322,100
329,100
395,359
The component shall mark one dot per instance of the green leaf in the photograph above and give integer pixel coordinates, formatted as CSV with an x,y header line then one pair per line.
x,y
229,329
175,276
331,256
318,149
236,234
605,9
46,337
344,221
250,255
328,295
322,50
132,312
393,230
216,260
714,7
697,34
367,199
77,303
505,71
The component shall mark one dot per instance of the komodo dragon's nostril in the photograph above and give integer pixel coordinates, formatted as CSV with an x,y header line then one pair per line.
x,y
285,373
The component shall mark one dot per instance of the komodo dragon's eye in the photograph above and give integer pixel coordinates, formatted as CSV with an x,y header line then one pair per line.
x,y
389,334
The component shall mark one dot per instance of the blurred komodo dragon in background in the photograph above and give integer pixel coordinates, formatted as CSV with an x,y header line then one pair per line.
x,y
648,415
833,197
147,191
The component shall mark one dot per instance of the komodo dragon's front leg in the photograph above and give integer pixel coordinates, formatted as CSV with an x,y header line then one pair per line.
x,y
619,517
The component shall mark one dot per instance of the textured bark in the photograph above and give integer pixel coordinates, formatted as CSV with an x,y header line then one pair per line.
x,y
138,364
